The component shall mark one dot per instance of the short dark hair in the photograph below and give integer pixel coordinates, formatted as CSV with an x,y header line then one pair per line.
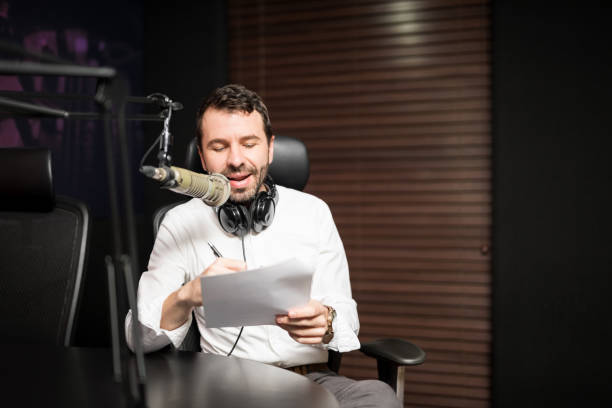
x,y
234,98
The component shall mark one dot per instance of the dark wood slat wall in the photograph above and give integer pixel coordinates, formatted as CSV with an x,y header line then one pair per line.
x,y
392,99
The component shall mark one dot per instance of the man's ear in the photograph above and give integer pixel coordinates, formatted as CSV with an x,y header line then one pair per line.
x,y
271,150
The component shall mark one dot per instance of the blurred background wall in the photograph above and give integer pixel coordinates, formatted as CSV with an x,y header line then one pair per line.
x,y
392,100
460,145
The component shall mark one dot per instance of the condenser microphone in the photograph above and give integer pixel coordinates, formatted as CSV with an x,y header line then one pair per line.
x,y
214,189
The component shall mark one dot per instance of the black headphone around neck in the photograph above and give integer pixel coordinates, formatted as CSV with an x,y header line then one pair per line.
x,y
238,220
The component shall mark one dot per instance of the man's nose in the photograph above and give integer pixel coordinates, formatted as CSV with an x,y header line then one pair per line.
x,y
235,158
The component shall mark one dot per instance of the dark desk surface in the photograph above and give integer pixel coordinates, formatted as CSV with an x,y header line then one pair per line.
x,y
82,377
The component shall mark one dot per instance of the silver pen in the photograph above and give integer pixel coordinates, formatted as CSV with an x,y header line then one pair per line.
x,y
215,250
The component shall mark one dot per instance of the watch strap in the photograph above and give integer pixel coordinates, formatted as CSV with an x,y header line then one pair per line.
x,y
329,333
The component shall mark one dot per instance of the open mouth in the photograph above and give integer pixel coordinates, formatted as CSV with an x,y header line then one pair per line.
x,y
239,180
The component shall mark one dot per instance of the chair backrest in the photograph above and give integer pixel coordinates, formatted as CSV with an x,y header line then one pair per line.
x,y
43,251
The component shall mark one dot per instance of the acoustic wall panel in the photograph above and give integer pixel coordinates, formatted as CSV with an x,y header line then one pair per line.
x,y
392,99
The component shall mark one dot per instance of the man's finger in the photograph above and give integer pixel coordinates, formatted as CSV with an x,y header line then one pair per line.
x,y
317,321
233,264
308,340
305,332
218,270
304,312
313,308
223,266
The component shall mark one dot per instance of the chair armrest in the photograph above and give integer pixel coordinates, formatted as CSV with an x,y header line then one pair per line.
x,y
396,351
392,355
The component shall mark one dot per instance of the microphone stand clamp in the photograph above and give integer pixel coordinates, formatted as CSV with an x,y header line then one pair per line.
x,y
165,138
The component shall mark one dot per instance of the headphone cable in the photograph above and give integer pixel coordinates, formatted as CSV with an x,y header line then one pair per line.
x,y
242,328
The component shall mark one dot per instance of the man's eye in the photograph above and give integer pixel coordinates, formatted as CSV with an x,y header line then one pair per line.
x,y
249,145
218,148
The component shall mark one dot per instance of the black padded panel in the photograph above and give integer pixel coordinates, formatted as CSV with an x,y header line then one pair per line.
x,y
26,180
192,158
290,167
42,272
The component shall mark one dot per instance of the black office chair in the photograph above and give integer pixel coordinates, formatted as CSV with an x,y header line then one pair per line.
x,y
291,168
43,251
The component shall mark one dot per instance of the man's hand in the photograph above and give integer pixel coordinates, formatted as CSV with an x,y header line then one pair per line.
x,y
306,324
180,303
191,292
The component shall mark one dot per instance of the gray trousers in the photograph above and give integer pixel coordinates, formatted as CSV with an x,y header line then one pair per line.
x,y
356,394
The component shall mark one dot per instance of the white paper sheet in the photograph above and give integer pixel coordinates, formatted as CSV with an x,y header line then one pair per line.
x,y
256,296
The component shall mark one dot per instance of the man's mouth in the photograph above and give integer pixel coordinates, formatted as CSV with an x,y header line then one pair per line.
x,y
238,181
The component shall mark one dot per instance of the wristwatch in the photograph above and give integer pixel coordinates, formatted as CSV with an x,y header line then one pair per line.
x,y
331,315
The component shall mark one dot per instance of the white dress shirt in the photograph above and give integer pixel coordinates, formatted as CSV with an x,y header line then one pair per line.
x,y
303,227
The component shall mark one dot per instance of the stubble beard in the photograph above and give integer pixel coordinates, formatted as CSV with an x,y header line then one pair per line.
x,y
246,195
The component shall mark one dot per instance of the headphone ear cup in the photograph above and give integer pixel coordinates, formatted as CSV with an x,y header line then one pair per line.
x,y
262,212
234,219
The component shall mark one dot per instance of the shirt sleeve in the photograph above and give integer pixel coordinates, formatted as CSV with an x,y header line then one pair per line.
x,y
166,273
331,285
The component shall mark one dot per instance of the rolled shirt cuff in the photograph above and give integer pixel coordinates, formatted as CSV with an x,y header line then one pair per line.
x,y
153,336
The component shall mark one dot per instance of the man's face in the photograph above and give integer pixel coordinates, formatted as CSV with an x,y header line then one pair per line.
x,y
235,145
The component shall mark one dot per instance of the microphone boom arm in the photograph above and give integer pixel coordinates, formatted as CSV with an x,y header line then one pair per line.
x,y
165,138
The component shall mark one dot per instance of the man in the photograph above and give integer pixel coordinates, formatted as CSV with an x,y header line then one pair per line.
x,y
236,140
